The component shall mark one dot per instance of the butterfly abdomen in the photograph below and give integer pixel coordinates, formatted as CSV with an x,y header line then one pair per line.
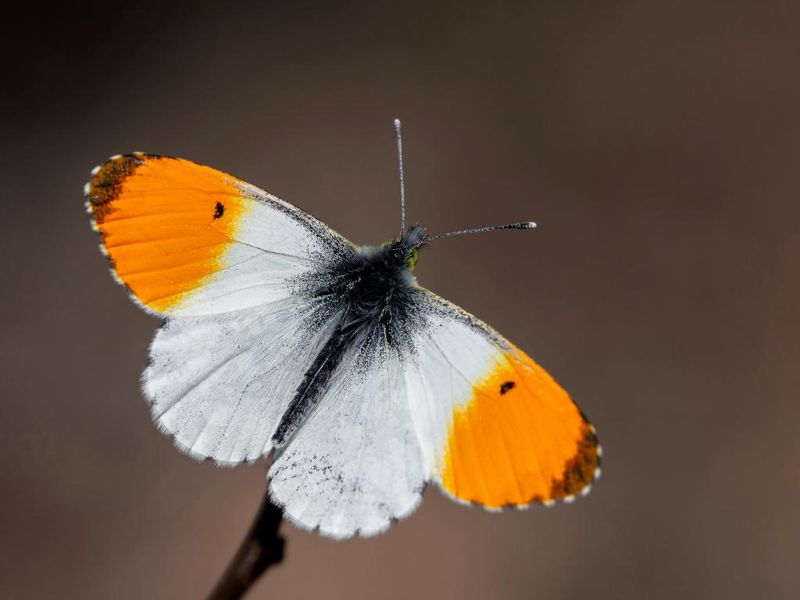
x,y
313,386
371,292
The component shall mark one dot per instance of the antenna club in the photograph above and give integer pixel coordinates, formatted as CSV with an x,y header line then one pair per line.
x,y
397,123
530,225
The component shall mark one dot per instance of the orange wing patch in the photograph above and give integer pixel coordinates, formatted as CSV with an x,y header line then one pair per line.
x,y
165,223
520,439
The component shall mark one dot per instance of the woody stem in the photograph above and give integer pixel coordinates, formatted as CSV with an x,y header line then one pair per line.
x,y
261,548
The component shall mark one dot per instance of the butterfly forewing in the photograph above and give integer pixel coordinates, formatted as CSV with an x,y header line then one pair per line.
x,y
186,239
494,427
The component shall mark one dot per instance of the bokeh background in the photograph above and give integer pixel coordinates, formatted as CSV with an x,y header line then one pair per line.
x,y
655,142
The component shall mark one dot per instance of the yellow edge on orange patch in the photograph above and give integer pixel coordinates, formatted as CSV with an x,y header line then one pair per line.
x,y
519,439
165,222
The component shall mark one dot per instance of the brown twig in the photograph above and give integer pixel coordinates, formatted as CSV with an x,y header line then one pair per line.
x,y
261,548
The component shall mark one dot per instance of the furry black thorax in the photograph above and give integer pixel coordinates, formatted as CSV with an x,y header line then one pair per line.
x,y
376,281
368,293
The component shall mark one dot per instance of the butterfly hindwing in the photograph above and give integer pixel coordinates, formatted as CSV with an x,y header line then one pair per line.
x,y
355,464
219,384
186,239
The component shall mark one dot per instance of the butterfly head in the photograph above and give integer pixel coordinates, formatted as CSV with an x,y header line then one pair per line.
x,y
403,251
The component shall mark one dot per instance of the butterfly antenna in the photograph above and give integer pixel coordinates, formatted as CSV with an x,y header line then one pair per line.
x,y
523,225
399,137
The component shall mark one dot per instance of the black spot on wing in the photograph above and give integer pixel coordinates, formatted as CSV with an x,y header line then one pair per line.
x,y
506,387
219,210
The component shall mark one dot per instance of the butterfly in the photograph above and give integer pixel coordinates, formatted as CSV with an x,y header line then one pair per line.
x,y
280,337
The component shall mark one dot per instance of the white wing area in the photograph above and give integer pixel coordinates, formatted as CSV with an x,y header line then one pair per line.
x,y
274,245
220,384
355,464
449,356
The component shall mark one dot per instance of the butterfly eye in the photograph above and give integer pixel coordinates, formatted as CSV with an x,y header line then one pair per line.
x,y
412,261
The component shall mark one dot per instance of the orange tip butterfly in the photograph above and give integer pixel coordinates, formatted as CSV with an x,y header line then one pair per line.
x,y
282,337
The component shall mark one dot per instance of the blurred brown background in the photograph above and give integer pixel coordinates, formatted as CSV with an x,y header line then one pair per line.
x,y
656,143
